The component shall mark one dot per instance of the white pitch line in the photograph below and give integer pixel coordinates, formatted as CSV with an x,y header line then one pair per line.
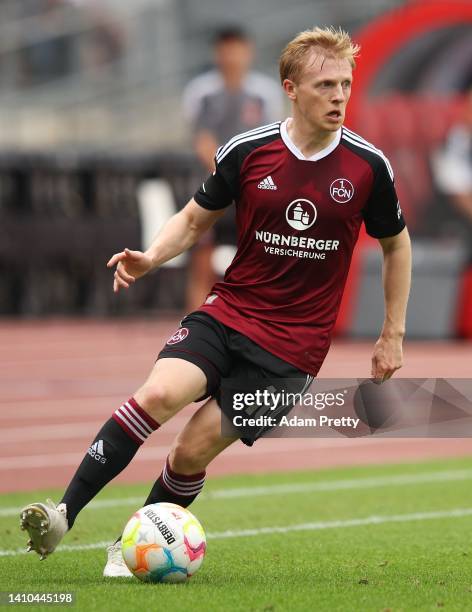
x,y
359,522
289,488
340,485
318,526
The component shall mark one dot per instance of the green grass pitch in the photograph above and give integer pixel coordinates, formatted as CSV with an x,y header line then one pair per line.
x,y
378,538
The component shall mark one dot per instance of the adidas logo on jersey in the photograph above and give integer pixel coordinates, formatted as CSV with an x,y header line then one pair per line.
x,y
96,452
267,183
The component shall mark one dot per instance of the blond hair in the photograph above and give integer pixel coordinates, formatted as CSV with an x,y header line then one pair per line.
x,y
330,42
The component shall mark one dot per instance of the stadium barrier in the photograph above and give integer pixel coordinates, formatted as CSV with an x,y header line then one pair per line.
x,y
435,292
62,216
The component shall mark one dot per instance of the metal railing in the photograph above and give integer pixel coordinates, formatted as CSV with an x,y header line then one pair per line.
x,y
163,43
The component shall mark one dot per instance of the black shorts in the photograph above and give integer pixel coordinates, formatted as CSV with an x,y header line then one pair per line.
x,y
224,353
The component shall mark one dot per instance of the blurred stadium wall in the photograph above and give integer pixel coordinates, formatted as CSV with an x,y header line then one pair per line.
x,y
105,74
90,116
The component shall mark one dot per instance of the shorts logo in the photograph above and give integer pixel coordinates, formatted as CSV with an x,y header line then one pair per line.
x,y
301,214
341,190
399,210
179,335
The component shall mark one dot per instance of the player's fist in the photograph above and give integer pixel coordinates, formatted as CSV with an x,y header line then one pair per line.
x,y
130,265
387,358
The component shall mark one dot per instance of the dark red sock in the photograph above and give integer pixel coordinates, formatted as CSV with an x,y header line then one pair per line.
x,y
137,423
176,488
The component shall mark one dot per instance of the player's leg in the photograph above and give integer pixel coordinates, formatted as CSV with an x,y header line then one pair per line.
x,y
193,449
172,384
183,475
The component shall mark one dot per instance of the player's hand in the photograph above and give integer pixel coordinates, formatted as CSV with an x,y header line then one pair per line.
x,y
387,358
130,265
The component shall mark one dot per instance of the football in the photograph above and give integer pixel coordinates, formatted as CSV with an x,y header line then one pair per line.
x,y
163,543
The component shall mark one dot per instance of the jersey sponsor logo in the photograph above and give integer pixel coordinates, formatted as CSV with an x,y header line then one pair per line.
x,y
302,247
285,240
341,190
267,183
178,336
399,210
301,214
211,298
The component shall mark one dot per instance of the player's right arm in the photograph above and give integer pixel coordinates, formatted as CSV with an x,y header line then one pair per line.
x,y
179,234
184,229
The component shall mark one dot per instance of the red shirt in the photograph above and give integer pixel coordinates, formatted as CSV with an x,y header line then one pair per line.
x,y
298,220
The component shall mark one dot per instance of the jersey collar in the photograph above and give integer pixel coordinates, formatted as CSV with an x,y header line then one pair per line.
x,y
296,151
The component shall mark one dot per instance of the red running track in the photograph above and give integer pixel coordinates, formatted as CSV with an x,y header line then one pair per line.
x,y
59,380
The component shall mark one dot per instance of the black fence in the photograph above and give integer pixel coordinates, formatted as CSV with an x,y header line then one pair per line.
x,y
62,216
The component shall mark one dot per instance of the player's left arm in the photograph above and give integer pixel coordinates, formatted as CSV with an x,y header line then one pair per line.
x,y
388,353
384,220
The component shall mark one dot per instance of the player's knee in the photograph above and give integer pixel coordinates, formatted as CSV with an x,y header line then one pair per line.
x,y
157,400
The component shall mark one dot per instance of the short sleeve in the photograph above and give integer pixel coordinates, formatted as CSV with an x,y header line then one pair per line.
x,y
196,93
205,119
382,214
221,188
270,93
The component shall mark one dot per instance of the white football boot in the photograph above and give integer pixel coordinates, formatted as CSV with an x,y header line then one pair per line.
x,y
46,525
116,567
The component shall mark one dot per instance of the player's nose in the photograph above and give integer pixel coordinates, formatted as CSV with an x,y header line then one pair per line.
x,y
338,94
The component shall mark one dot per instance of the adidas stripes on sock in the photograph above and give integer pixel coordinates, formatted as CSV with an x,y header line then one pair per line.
x,y
135,421
111,451
176,488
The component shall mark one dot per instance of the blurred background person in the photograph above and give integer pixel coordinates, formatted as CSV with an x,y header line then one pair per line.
x,y
452,169
220,103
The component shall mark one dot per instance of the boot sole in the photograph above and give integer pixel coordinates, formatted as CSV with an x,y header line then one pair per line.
x,y
35,520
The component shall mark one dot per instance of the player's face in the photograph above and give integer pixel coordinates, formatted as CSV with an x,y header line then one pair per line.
x,y
234,57
323,91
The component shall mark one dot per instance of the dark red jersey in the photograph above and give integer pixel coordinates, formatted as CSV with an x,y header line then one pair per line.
x,y
298,220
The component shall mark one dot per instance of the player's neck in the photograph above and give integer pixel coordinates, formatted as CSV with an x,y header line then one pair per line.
x,y
308,140
233,80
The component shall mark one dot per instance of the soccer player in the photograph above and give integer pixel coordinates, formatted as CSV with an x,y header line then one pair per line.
x,y
218,104
302,188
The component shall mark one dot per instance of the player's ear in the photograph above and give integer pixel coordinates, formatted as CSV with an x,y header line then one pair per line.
x,y
290,89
